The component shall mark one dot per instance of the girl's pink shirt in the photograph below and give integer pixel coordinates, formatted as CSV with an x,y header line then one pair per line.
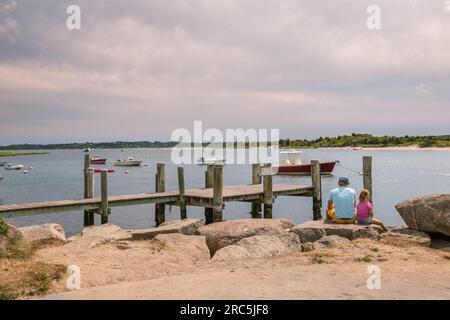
x,y
363,210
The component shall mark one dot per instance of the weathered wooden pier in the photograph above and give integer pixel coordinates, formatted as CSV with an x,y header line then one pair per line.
x,y
260,193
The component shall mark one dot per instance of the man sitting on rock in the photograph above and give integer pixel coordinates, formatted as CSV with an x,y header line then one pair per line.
x,y
342,203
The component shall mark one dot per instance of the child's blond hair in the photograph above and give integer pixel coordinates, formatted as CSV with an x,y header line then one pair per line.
x,y
364,194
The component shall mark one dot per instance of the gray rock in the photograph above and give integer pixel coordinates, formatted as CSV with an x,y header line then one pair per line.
x,y
312,231
308,233
222,234
366,233
260,247
192,247
330,241
186,227
429,213
94,236
13,244
308,246
414,236
43,233
440,244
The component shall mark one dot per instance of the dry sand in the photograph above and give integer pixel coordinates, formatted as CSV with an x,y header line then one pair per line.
x,y
142,270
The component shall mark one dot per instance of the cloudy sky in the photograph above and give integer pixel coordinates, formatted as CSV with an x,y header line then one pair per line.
x,y
138,69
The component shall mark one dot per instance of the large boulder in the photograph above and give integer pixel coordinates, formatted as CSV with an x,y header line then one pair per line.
x,y
177,244
186,227
44,233
409,235
222,234
312,231
427,213
330,241
260,247
13,243
94,236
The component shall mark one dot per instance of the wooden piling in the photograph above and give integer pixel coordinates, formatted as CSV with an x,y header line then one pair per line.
x,y
182,190
256,179
367,174
268,191
104,196
209,183
317,189
89,215
160,209
87,163
218,193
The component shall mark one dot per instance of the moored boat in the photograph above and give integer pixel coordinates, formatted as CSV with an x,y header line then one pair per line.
x,y
203,161
130,162
98,160
294,165
14,167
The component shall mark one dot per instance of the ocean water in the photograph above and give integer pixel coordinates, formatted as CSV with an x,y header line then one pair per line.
x,y
397,175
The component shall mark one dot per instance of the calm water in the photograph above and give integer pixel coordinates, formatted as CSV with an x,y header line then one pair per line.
x,y
397,175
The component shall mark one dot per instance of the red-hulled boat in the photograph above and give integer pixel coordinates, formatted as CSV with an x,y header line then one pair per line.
x,y
294,165
98,160
100,170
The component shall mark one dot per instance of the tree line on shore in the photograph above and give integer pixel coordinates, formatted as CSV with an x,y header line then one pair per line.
x,y
353,140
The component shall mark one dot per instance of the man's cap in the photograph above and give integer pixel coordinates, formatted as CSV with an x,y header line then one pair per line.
x,y
344,179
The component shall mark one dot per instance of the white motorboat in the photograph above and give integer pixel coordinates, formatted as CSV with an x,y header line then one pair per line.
x,y
14,167
208,161
130,162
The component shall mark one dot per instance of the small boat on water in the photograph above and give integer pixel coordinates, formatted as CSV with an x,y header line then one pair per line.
x,y
98,160
14,167
87,150
129,162
203,161
2,163
295,166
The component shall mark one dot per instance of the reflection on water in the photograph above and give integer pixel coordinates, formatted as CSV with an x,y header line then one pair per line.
x,y
397,175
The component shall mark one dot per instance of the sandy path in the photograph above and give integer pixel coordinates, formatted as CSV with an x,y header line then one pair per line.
x,y
407,272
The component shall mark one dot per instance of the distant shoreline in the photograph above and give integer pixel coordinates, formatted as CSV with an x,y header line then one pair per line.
x,y
15,154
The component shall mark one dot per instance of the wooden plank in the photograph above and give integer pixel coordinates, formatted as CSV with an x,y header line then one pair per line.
x,y
181,190
367,174
160,209
268,191
317,189
104,196
218,193
89,215
87,184
256,179
209,183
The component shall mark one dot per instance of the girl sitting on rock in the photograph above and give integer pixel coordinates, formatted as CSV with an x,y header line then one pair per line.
x,y
364,211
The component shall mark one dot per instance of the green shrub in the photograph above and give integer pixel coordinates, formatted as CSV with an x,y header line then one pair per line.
x,y
3,227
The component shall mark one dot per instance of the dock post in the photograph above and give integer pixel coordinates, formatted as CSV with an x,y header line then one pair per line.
x,y
218,193
268,191
87,163
160,209
89,215
209,183
317,189
367,174
256,179
181,188
104,196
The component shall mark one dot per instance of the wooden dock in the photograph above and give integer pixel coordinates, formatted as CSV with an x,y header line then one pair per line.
x,y
261,193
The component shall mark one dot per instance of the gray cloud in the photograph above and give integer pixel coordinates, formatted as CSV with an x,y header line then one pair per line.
x,y
307,67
